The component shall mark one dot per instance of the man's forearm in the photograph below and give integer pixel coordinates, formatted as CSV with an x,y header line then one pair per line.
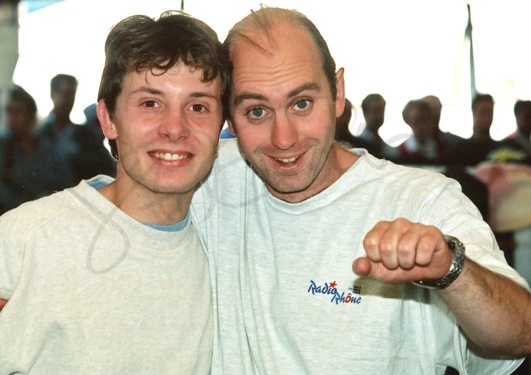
x,y
492,310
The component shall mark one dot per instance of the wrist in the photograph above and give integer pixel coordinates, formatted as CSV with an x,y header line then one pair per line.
x,y
458,258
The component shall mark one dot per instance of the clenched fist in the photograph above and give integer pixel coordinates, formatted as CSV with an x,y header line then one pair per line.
x,y
402,251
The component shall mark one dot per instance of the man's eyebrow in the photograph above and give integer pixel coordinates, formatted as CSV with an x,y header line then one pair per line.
x,y
307,86
201,94
250,96
247,96
148,90
152,91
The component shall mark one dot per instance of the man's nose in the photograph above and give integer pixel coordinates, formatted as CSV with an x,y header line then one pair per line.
x,y
284,133
175,125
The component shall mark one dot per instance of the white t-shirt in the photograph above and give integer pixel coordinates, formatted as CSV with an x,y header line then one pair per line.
x,y
92,291
287,301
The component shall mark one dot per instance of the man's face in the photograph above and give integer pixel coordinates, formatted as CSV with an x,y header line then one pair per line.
x,y
166,128
375,114
483,115
418,122
20,121
523,121
283,112
63,98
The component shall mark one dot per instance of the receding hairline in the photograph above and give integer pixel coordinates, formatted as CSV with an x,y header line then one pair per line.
x,y
263,22
266,22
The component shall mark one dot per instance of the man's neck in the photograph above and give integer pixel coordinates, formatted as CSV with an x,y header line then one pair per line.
x,y
481,137
525,134
373,129
28,144
61,121
148,207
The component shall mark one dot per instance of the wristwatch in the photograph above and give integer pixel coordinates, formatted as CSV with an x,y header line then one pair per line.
x,y
458,258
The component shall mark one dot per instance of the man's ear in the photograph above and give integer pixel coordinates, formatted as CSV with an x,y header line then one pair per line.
x,y
231,127
340,92
108,127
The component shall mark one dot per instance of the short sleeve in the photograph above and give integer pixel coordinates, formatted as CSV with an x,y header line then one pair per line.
x,y
12,229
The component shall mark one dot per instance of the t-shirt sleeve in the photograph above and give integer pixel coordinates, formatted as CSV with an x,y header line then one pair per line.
x,y
12,249
454,214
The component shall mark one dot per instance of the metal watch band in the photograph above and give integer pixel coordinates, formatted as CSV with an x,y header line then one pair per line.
x,y
458,258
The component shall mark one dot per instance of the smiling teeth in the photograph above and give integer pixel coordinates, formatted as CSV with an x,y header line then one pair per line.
x,y
287,161
168,156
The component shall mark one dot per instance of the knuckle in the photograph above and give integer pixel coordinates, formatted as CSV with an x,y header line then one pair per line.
x,y
370,241
403,249
387,249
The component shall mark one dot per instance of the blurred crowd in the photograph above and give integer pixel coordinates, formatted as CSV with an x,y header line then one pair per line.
x,y
40,157
494,174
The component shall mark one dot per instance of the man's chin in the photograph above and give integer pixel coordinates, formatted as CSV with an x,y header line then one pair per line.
x,y
287,191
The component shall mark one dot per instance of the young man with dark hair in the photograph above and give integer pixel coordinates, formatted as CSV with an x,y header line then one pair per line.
x,y
109,277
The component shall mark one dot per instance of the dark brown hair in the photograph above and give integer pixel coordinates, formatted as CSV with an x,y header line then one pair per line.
x,y
142,43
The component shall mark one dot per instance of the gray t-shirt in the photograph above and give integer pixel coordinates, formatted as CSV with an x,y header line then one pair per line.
x,y
92,291
287,301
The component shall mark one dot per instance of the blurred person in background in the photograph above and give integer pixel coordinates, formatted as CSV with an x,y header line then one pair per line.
x,y
520,140
75,145
28,167
373,107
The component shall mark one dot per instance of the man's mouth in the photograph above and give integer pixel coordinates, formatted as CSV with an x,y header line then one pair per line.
x,y
287,161
170,157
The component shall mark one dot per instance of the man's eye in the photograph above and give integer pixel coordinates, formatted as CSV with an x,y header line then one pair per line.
x,y
198,108
256,113
302,104
150,103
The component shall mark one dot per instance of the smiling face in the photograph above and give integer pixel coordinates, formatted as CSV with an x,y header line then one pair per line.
x,y
167,128
283,112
